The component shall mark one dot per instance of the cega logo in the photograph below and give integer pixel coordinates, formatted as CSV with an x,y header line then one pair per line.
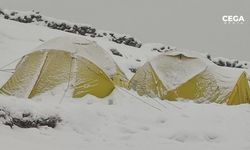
x,y
233,19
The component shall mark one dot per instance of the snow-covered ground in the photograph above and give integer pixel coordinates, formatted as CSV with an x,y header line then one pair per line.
x,y
121,121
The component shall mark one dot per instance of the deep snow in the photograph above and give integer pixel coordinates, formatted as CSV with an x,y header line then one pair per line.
x,y
121,121
127,123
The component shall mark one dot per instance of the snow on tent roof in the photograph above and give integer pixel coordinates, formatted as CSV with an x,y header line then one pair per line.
x,y
84,48
178,66
185,52
176,75
175,69
225,76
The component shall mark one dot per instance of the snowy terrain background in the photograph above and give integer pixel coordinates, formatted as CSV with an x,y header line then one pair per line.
x,y
191,24
120,121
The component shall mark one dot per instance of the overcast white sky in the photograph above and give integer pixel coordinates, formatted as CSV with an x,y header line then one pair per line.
x,y
191,24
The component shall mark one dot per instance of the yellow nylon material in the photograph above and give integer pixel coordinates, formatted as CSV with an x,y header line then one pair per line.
x,y
201,87
24,76
42,71
241,92
146,82
91,80
55,71
120,79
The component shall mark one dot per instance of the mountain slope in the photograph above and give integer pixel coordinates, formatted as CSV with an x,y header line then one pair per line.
x,y
32,17
121,121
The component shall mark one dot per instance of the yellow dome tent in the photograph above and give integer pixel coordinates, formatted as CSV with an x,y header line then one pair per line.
x,y
79,62
179,75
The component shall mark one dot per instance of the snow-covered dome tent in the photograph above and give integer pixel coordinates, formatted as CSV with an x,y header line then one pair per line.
x,y
189,75
81,63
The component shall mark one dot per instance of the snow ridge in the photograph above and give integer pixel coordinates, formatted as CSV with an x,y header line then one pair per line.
x,y
34,17
225,62
76,28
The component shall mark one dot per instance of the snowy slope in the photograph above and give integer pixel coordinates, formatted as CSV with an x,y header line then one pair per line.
x,y
36,18
28,36
122,120
98,124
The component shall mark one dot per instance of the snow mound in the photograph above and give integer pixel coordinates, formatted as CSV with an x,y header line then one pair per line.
x,y
123,121
26,114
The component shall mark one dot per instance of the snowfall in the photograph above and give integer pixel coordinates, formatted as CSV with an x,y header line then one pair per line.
x,y
123,120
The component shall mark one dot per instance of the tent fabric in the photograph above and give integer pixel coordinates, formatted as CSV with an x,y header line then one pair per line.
x,y
90,50
20,83
201,86
177,76
41,71
241,92
94,81
55,70
120,79
165,73
146,82
176,69
64,59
